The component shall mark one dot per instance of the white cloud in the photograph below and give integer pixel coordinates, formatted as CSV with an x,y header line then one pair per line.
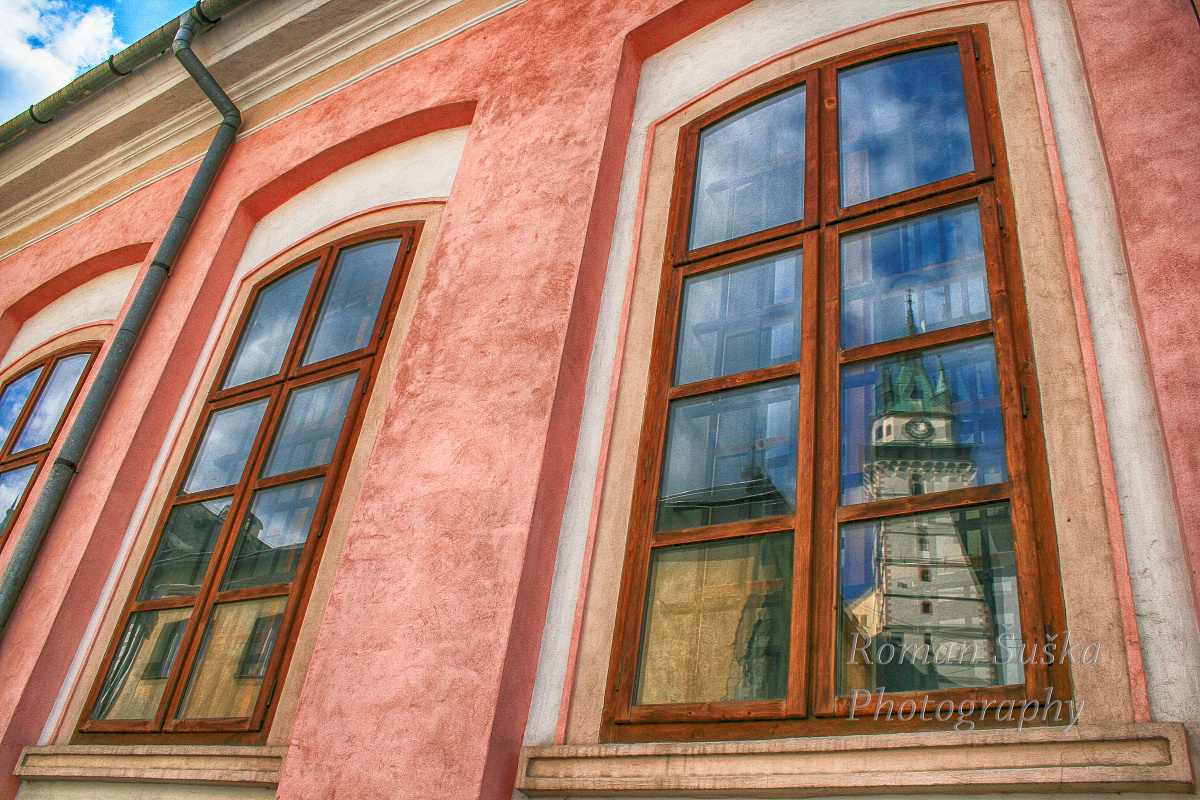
x,y
44,45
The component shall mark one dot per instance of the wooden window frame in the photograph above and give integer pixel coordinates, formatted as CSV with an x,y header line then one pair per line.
x,y
812,706
291,376
37,455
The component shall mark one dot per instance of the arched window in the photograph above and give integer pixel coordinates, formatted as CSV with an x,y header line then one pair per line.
x,y
33,405
839,259
207,631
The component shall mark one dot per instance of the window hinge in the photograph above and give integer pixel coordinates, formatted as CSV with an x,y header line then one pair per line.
x,y
992,151
321,527
367,382
383,327
271,696
1000,215
1024,405
408,246
976,51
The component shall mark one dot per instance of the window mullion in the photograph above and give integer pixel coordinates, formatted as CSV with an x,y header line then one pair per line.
x,y
827,165
822,644
803,554
1014,404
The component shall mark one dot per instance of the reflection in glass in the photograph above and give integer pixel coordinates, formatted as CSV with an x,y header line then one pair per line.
x,y
923,421
134,684
273,534
225,446
750,171
13,400
740,318
717,622
225,680
257,655
903,123
923,274
730,456
50,405
312,420
166,650
942,617
272,322
352,300
184,549
12,487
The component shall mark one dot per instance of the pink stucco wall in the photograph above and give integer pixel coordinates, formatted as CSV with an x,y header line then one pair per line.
x,y
1141,68
419,685
420,682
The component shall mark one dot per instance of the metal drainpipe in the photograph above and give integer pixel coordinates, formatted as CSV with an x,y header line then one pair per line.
x,y
64,467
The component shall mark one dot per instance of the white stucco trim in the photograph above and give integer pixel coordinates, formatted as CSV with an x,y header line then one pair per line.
x,y
98,300
1162,590
420,168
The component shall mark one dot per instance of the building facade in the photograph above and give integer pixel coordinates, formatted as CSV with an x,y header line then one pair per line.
x,y
656,398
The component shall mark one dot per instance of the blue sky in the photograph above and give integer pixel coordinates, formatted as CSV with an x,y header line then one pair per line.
x,y
45,44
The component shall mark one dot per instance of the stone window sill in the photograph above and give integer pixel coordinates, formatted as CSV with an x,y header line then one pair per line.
x,y
1108,758
222,765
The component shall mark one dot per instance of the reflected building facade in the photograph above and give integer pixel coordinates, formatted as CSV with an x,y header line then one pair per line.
x,y
940,592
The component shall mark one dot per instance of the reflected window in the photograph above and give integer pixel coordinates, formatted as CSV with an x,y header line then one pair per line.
x,y
740,318
730,456
33,407
922,274
205,631
750,171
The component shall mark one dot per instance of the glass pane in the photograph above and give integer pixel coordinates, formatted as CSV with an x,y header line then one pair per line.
x,y
923,274
13,400
740,318
717,622
267,335
730,456
903,123
929,601
12,486
750,171
308,433
352,300
145,656
52,402
184,549
225,446
925,421
229,667
273,535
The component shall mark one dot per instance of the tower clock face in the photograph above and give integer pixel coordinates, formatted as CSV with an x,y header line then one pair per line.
x,y
919,428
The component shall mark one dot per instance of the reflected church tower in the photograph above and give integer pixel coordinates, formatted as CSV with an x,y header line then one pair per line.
x,y
933,585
